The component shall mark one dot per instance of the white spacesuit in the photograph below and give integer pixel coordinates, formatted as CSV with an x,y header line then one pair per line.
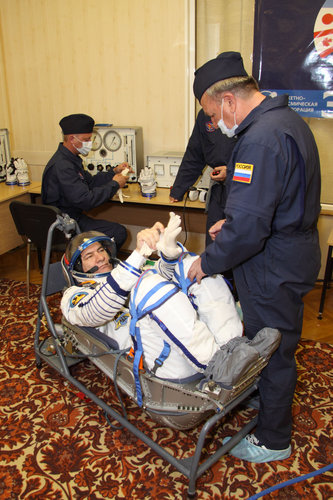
x,y
176,325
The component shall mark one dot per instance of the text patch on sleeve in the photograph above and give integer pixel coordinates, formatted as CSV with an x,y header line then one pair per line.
x,y
243,173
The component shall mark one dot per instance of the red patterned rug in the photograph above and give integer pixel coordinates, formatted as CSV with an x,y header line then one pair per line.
x,y
54,444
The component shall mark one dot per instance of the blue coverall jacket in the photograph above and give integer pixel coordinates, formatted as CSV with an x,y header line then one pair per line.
x,y
68,186
206,146
270,240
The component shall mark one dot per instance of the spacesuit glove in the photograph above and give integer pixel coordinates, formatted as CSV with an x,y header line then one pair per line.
x,y
146,176
167,244
147,181
22,172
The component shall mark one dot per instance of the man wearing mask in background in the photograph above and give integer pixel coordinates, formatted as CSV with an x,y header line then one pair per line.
x,y
269,236
206,146
71,188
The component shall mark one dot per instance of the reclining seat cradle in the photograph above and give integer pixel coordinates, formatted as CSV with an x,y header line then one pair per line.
x,y
180,406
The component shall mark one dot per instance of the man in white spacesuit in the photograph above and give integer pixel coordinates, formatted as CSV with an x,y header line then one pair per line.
x,y
175,325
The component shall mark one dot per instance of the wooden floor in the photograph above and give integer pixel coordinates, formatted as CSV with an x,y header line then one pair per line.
x,y
13,266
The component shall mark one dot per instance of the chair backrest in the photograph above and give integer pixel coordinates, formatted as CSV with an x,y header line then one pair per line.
x,y
56,281
33,221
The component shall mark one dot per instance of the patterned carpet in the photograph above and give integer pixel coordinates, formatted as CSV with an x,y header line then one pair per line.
x,y
56,444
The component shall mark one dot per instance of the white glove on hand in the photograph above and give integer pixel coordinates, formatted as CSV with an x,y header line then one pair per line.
x,y
167,244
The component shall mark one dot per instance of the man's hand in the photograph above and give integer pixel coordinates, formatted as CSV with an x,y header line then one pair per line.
x,y
121,179
172,200
216,228
147,239
196,271
122,166
219,173
168,240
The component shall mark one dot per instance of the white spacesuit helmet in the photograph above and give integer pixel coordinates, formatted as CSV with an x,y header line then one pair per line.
x,y
71,261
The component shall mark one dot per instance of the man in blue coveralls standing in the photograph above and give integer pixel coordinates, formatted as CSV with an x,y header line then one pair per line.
x,y
269,236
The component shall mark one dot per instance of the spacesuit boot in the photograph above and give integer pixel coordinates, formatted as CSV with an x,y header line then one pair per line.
x,y
11,179
22,172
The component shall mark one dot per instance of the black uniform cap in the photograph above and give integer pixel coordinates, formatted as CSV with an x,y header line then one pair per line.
x,y
77,124
226,65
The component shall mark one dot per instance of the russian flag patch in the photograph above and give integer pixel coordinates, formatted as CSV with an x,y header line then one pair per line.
x,y
243,173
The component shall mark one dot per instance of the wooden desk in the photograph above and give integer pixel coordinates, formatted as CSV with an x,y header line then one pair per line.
x,y
138,212
10,238
132,194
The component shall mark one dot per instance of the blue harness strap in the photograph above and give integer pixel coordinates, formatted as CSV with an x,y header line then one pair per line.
x,y
138,312
162,357
183,282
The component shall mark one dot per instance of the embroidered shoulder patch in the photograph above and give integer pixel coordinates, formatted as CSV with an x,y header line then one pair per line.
x,y
121,319
210,127
77,297
243,173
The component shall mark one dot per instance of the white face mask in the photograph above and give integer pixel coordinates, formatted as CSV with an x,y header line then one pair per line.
x,y
85,148
229,132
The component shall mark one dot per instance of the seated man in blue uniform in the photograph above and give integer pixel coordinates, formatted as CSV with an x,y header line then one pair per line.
x,y
269,236
186,322
71,188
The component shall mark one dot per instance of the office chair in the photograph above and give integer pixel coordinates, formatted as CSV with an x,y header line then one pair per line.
x,y
32,222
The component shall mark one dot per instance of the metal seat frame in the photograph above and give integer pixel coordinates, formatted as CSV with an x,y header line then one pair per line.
x,y
191,467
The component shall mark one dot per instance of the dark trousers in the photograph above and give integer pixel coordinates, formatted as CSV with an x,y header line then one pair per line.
x,y
278,380
111,229
215,212
216,205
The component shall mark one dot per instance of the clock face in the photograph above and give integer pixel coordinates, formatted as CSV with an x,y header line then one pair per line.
x,y
112,140
96,140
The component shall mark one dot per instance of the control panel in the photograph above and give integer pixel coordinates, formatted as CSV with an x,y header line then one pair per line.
x,y
113,145
165,165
